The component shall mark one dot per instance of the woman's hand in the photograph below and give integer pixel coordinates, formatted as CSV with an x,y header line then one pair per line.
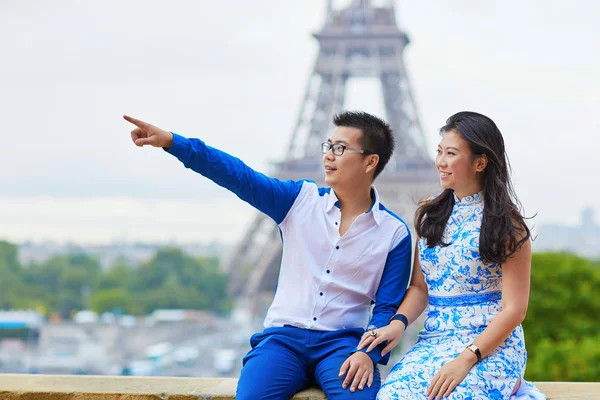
x,y
450,376
390,333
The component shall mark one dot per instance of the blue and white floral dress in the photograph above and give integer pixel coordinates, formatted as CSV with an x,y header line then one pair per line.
x,y
464,297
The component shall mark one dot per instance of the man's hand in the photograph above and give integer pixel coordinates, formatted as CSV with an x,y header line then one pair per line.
x,y
149,134
360,371
390,334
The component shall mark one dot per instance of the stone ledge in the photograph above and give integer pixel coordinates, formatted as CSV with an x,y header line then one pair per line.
x,y
76,387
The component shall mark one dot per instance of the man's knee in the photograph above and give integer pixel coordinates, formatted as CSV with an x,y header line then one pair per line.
x,y
255,392
332,386
271,374
267,389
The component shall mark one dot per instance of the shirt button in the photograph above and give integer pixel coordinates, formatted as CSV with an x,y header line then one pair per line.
x,y
336,223
328,271
314,318
337,247
321,293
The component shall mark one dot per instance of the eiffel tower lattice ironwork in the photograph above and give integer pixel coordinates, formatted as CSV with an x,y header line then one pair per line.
x,y
361,39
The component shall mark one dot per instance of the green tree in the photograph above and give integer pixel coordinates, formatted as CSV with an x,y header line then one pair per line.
x,y
562,324
103,300
173,279
11,277
567,360
118,276
60,282
69,282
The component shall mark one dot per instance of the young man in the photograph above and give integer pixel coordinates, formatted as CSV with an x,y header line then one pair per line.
x,y
342,251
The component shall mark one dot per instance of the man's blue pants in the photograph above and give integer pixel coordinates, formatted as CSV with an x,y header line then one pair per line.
x,y
285,360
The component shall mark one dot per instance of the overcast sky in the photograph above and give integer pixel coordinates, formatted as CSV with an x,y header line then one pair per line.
x,y
233,73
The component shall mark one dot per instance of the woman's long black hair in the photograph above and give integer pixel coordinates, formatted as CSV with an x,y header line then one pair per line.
x,y
503,228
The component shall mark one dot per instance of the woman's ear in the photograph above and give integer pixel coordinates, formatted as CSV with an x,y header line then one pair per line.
x,y
481,163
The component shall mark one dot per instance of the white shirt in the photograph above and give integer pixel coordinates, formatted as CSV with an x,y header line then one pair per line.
x,y
328,282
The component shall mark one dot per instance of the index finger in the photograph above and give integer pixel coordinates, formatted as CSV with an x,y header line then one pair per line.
x,y
136,122
375,343
364,342
344,367
350,376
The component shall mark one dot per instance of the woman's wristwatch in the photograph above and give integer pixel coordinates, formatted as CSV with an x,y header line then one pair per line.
x,y
475,350
400,317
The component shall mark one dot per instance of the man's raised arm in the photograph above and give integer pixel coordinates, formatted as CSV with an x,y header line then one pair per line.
x,y
271,196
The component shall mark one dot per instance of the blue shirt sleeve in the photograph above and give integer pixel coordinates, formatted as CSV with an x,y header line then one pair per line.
x,y
271,196
392,288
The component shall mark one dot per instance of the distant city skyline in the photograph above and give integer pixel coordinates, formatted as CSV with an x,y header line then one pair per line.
x,y
110,254
233,74
582,238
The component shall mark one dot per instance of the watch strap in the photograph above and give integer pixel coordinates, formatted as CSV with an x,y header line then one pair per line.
x,y
475,350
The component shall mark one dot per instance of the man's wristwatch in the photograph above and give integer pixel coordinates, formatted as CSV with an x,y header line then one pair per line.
x,y
475,350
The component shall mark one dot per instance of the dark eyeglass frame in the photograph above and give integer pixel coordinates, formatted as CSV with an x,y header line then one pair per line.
x,y
340,148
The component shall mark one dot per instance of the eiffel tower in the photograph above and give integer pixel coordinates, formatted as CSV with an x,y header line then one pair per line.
x,y
359,40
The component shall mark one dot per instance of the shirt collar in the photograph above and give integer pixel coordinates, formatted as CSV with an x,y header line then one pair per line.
x,y
375,207
333,201
476,198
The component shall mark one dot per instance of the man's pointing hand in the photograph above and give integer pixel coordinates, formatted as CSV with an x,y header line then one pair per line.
x,y
146,134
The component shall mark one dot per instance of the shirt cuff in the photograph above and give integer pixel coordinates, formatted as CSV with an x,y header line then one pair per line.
x,y
179,147
375,354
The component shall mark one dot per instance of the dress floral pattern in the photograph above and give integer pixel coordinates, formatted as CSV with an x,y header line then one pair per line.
x,y
464,297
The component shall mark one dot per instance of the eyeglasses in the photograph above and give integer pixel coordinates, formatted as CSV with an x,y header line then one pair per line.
x,y
338,149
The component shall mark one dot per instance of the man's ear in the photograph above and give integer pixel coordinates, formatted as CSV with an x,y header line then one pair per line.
x,y
372,162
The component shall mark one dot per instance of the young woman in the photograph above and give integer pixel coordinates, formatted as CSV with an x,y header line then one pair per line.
x,y
472,273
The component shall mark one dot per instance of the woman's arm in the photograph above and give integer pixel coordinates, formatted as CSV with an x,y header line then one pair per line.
x,y
412,306
516,273
417,296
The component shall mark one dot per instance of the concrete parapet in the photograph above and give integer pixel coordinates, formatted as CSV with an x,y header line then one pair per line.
x,y
74,387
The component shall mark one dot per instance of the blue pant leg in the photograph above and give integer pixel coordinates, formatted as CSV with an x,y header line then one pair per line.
x,y
273,369
337,347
